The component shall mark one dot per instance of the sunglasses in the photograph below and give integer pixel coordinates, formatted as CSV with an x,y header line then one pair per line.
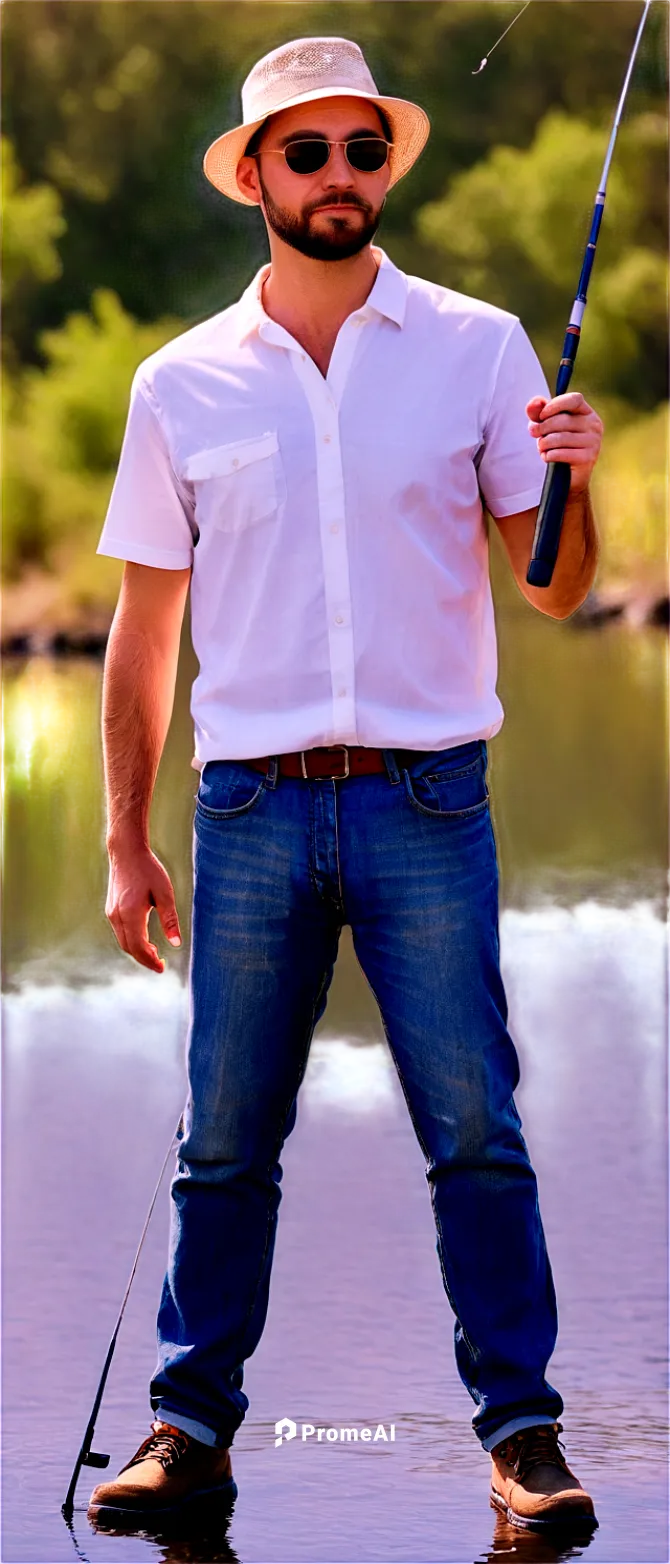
x,y
367,154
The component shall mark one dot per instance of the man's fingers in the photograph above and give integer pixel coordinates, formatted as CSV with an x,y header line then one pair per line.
x,y
142,950
566,454
129,920
582,442
568,402
117,926
135,887
560,421
167,913
566,429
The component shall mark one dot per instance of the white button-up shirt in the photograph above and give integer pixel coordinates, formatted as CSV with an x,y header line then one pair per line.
x,y
340,586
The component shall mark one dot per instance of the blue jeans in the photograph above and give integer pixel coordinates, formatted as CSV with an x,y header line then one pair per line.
x,y
407,858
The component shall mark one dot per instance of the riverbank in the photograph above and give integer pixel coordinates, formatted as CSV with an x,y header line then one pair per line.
x,y
39,615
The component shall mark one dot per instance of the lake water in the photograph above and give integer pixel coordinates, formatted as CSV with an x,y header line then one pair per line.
x,y
359,1331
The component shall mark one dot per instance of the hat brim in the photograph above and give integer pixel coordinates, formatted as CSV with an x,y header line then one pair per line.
x,y
410,126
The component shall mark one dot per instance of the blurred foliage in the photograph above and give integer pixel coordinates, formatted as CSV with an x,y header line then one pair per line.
x,y
32,222
114,241
63,428
512,229
630,491
76,410
115,101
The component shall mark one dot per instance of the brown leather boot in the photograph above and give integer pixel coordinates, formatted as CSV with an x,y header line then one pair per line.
x,y
169,1470
532,1484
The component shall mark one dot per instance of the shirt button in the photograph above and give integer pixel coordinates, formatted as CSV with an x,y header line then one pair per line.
x,y
236,461
341,692
338,619
326,439
335,527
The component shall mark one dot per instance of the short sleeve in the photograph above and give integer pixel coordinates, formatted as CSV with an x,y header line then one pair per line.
x,y
510,469
148,519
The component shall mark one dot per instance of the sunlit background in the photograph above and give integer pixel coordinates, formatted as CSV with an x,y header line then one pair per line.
x,y
113,243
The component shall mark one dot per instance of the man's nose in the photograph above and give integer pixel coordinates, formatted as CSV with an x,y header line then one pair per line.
x,y
338,170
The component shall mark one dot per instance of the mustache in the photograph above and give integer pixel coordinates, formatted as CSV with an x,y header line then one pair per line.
x,y
341,201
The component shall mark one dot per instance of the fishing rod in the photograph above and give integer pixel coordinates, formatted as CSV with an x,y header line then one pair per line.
x,y
557,478
87,1456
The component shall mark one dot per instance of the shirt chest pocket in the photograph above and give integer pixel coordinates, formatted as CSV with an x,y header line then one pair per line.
x,y
238,484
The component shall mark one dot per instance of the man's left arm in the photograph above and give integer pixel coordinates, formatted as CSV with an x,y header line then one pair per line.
x,y
566,429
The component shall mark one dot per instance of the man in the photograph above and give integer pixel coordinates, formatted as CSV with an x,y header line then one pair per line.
x,y
313,461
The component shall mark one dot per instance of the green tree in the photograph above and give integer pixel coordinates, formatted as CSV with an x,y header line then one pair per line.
x,y
32,223
512,230
114,102
63,433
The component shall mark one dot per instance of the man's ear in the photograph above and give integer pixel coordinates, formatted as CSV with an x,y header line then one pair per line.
x,y
246,175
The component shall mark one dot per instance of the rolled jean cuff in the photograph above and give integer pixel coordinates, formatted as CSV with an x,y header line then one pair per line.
x,y
188,1425
513,1428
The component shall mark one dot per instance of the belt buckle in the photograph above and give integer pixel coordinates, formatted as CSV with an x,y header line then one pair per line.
x,y
338,776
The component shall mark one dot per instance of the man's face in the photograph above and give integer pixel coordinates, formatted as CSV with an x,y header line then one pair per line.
x,y
334,213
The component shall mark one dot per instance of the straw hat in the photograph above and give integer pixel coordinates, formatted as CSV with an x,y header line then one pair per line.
x,y
303,71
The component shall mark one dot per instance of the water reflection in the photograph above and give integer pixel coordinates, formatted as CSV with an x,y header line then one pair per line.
x,y
527,1547
200,1539
578,776
358,1329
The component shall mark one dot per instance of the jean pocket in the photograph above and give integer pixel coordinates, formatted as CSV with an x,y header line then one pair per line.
x,y
450,789
228,788
238,484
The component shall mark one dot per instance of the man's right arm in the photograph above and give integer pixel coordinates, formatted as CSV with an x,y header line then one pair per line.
x,y
137,700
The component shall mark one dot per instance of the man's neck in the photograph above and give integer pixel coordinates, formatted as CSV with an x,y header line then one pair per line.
x,y
311,299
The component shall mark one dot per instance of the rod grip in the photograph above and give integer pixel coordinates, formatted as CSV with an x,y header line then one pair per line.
x,y
548,525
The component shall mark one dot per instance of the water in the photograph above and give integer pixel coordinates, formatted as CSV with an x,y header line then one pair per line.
x,y
359,1331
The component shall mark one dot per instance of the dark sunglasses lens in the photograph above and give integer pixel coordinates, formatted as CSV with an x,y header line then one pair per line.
x,y
306,157
368,154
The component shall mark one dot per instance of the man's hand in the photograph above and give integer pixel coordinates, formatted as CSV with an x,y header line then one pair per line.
x,y
567,430
138,882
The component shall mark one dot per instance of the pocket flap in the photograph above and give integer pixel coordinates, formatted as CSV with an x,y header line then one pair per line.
x,y
221,460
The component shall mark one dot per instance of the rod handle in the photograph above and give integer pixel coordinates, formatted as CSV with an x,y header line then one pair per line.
x,y
548,525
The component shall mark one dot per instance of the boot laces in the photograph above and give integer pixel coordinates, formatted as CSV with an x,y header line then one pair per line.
x,y
166,1444
531,1447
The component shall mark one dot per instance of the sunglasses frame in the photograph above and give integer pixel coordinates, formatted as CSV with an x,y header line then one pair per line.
x,y
325,141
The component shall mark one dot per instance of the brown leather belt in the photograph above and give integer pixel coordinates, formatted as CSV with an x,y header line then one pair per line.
x,y
329,760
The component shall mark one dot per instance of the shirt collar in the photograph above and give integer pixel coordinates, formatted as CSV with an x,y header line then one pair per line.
x,y
388,296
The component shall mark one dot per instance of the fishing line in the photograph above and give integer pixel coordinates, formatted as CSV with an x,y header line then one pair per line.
x,y
486,58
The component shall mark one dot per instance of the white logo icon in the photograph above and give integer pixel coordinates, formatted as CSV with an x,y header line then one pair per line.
x,y
285,1429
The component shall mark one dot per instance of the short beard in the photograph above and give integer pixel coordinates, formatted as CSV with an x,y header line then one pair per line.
x,y
338,245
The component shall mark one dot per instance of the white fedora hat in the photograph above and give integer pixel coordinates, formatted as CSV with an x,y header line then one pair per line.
x,y
303,71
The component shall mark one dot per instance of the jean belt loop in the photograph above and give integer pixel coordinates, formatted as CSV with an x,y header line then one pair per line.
x,y
391,766
272,771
